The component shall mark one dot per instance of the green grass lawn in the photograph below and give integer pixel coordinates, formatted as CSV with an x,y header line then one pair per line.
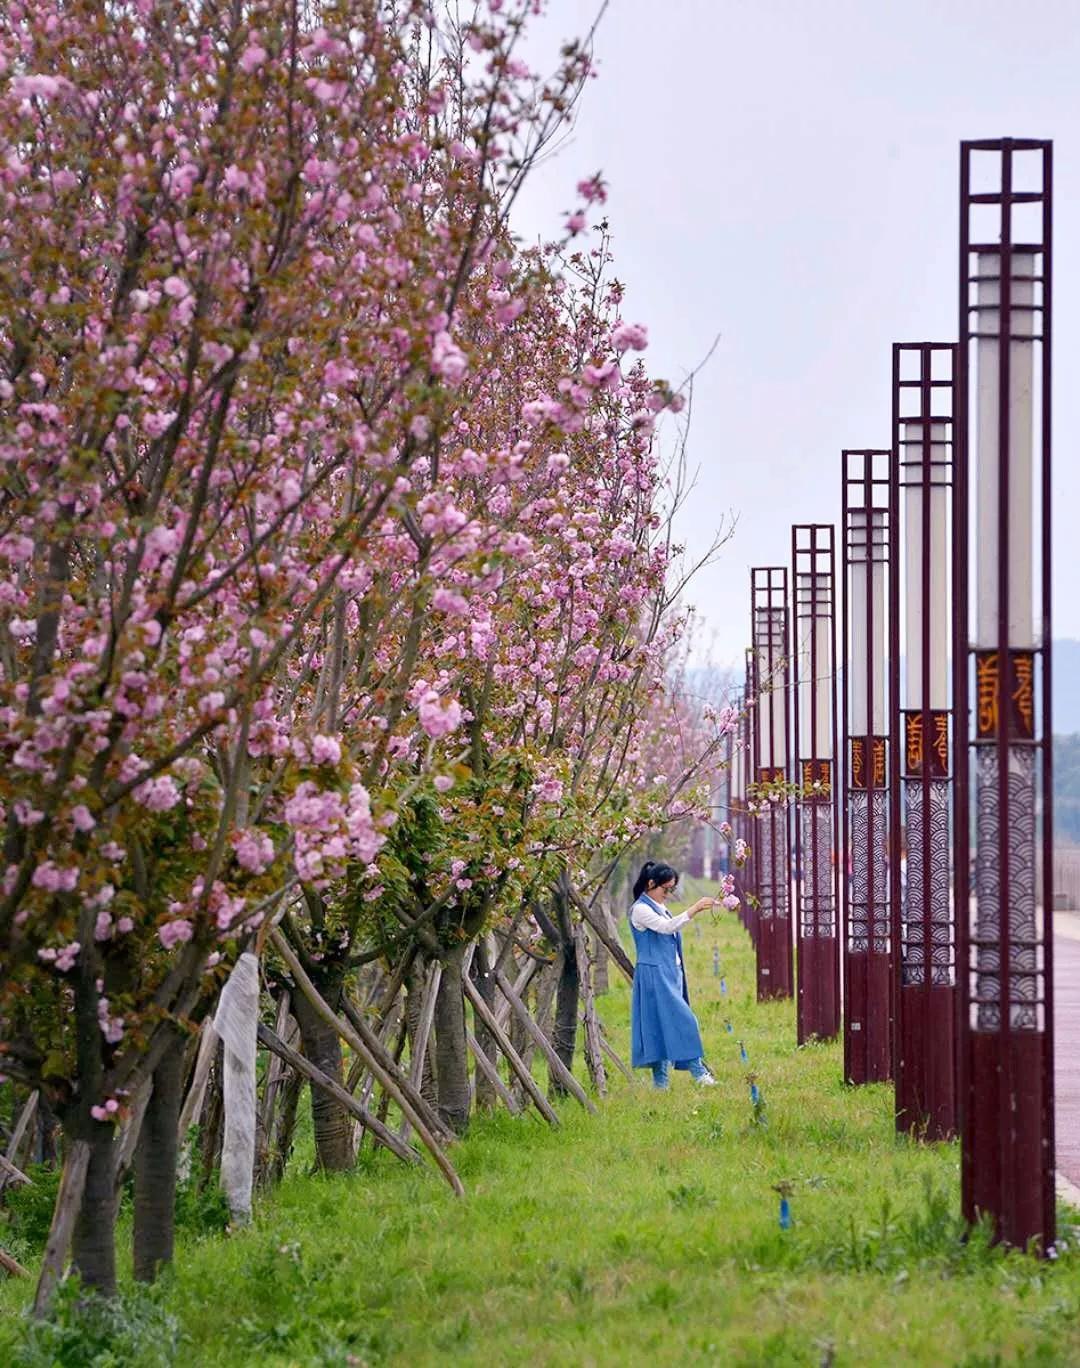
x,y
646,1235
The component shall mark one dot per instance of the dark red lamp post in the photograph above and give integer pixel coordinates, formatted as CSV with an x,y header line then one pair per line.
x,y
817,889
920,759
867,934
772,827
1003,745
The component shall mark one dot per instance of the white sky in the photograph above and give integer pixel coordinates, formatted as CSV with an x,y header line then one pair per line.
x,y
784,173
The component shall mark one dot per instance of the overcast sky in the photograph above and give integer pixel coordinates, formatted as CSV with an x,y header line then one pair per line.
x,y
784,173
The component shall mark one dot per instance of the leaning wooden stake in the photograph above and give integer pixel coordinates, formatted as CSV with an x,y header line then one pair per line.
x,y
423,1034
65,1213
548,981
529,1083
377,1047
528,973
491,1073
606,1046
128,1138
358,1073
18,1131
386,1080
208,1042
558,1068
12,1266
13,1174
594,1054
276,1072
593,917
318,1079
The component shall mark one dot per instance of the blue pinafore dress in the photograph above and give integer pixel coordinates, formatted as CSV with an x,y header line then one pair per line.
x,y
662,1026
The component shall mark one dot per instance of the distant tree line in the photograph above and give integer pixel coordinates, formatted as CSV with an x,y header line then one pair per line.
x,y
1067,788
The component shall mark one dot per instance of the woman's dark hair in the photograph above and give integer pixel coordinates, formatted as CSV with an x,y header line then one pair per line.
x,y
653,873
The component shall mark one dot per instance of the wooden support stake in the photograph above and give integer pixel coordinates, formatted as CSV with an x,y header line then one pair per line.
x,y
491,1073
12,1266
529,1083
606,1046
128,1138
276,1070
376,1047
18,1131
423,1034
318,1079
528,973
65,1213
545,996
618,954
197,1091
558,1068
357,1073
594,1054
13,1174
386,1079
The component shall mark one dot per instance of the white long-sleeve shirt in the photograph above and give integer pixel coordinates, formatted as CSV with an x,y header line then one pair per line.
x,y
646,918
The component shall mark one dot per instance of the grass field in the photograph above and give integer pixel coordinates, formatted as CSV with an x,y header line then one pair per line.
x,y
647,1235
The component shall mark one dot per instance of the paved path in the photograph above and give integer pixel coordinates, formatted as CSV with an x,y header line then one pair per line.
x,y
1067,1044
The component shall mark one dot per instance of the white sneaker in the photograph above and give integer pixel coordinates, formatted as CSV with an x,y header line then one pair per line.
x,y
705,1080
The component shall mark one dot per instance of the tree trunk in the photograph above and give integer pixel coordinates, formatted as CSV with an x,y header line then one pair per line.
x,y
155,1167
46,1150
93,1250
451,1045
564,1035
546,983
332,1124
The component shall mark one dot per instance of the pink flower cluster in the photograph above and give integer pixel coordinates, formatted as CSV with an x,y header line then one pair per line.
x,y
62,959
330,829
438,716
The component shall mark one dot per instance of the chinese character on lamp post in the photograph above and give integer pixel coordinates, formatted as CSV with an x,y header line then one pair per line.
x,y
1005,941
867,934
816,865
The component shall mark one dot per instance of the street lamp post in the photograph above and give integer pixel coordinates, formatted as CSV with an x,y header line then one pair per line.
x,y
1006,941
769,626
816,867
867,566
748,881
923,920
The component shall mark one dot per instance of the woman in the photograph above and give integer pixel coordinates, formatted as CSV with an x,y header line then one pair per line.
x,y
663,1029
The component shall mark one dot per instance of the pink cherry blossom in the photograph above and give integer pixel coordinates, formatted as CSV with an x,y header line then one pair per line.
x,y
174,933
630,337
325,750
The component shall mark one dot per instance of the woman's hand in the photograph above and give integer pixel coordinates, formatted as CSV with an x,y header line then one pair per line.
x,y
703,905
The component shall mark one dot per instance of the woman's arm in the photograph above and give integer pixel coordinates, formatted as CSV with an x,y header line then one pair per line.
x,y
646,918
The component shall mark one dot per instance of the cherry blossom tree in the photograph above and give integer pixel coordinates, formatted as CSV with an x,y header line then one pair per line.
x,y
338,584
